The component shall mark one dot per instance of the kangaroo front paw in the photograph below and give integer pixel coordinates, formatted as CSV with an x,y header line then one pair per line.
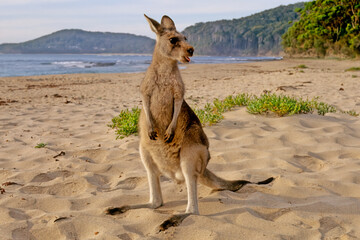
x,y
117,210
152,134
168,137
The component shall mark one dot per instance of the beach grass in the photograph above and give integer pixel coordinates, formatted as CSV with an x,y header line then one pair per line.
x,y
352,69
279,104
126,123
40,145
213,113
301,66
351,113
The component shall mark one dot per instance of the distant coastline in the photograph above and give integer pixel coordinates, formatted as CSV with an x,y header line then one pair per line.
x,y
255,35
50,64
78,41
100,54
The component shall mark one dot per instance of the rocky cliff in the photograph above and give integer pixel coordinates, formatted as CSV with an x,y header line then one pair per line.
x,y
255,35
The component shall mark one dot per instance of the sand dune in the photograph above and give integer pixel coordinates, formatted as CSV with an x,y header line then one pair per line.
x,y
62,190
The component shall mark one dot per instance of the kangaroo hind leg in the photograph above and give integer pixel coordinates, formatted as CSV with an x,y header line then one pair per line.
x,y
153,175
193,160
154,186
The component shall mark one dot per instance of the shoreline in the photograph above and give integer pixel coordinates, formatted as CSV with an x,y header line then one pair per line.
x,y
184,66
53,195
53,64
198,76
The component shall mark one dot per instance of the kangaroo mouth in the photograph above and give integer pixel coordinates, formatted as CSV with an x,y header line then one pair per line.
x,y
186,59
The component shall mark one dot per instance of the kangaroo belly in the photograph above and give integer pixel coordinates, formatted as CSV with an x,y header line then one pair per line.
x,y
167,159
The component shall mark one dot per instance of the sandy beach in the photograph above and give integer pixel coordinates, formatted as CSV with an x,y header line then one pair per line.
x,y
62,190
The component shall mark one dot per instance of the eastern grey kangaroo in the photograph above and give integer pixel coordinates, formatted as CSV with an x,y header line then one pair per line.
x,y
172,141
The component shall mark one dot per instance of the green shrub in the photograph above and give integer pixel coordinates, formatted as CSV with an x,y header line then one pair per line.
x,y
301,66
208,115
41,145
352,69
126,123
351,113
323,108
280,105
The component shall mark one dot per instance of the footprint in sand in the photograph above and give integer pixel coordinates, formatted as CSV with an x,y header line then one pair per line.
x,y
33,189
270,214
352,154
92,155
329,228
99,181
308,163
66,188
130,183
18,214
310,123
71,188
348,141
49,176
22,233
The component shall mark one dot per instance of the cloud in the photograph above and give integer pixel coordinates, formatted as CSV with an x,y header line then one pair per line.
x,y
30,2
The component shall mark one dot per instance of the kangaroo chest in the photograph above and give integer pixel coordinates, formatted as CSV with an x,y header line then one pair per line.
x,y
164,90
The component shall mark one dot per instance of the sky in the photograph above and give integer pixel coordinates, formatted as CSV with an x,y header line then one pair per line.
x,y
23,20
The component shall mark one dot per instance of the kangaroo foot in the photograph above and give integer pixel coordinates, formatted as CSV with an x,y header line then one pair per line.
x,y
117,210
173,221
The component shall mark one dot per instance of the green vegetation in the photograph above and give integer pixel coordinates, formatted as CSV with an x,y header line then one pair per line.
x,y
326,27
301,66
258,34
126,123
208,115
280,105
40,145
351,113
352,69
322,108
213,113
79,41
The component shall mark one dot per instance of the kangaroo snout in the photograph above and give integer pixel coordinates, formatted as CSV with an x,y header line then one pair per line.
x,y
190,51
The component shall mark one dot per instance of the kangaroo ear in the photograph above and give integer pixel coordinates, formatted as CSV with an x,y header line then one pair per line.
x,y
168,23
154,25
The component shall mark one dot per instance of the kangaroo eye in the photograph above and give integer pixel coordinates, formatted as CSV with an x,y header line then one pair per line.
x,y
185,38
174,40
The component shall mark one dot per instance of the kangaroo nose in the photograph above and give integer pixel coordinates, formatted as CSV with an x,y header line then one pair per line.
x,y
190,51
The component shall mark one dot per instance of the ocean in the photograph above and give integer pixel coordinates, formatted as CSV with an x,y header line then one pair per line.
x,y
46,64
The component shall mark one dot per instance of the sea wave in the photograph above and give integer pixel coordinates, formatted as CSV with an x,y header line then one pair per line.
x,y
42,64
133,62
81,64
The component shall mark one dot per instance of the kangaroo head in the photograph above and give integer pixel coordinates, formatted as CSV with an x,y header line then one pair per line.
x,y
170,43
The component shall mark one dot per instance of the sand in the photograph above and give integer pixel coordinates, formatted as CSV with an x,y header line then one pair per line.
x,y
62,190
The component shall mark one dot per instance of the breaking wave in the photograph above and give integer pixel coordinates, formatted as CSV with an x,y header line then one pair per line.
x,y
81,64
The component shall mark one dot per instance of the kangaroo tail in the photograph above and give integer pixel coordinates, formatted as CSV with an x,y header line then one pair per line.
x,y
211,180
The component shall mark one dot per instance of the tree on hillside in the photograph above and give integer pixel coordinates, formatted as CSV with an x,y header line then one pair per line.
x,y
258,34
326,27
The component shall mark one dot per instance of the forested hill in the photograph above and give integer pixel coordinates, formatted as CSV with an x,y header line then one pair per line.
x,y
79,41
325,28
258,34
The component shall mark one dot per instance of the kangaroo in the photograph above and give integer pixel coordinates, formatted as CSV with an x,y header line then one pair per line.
x,y
172,141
